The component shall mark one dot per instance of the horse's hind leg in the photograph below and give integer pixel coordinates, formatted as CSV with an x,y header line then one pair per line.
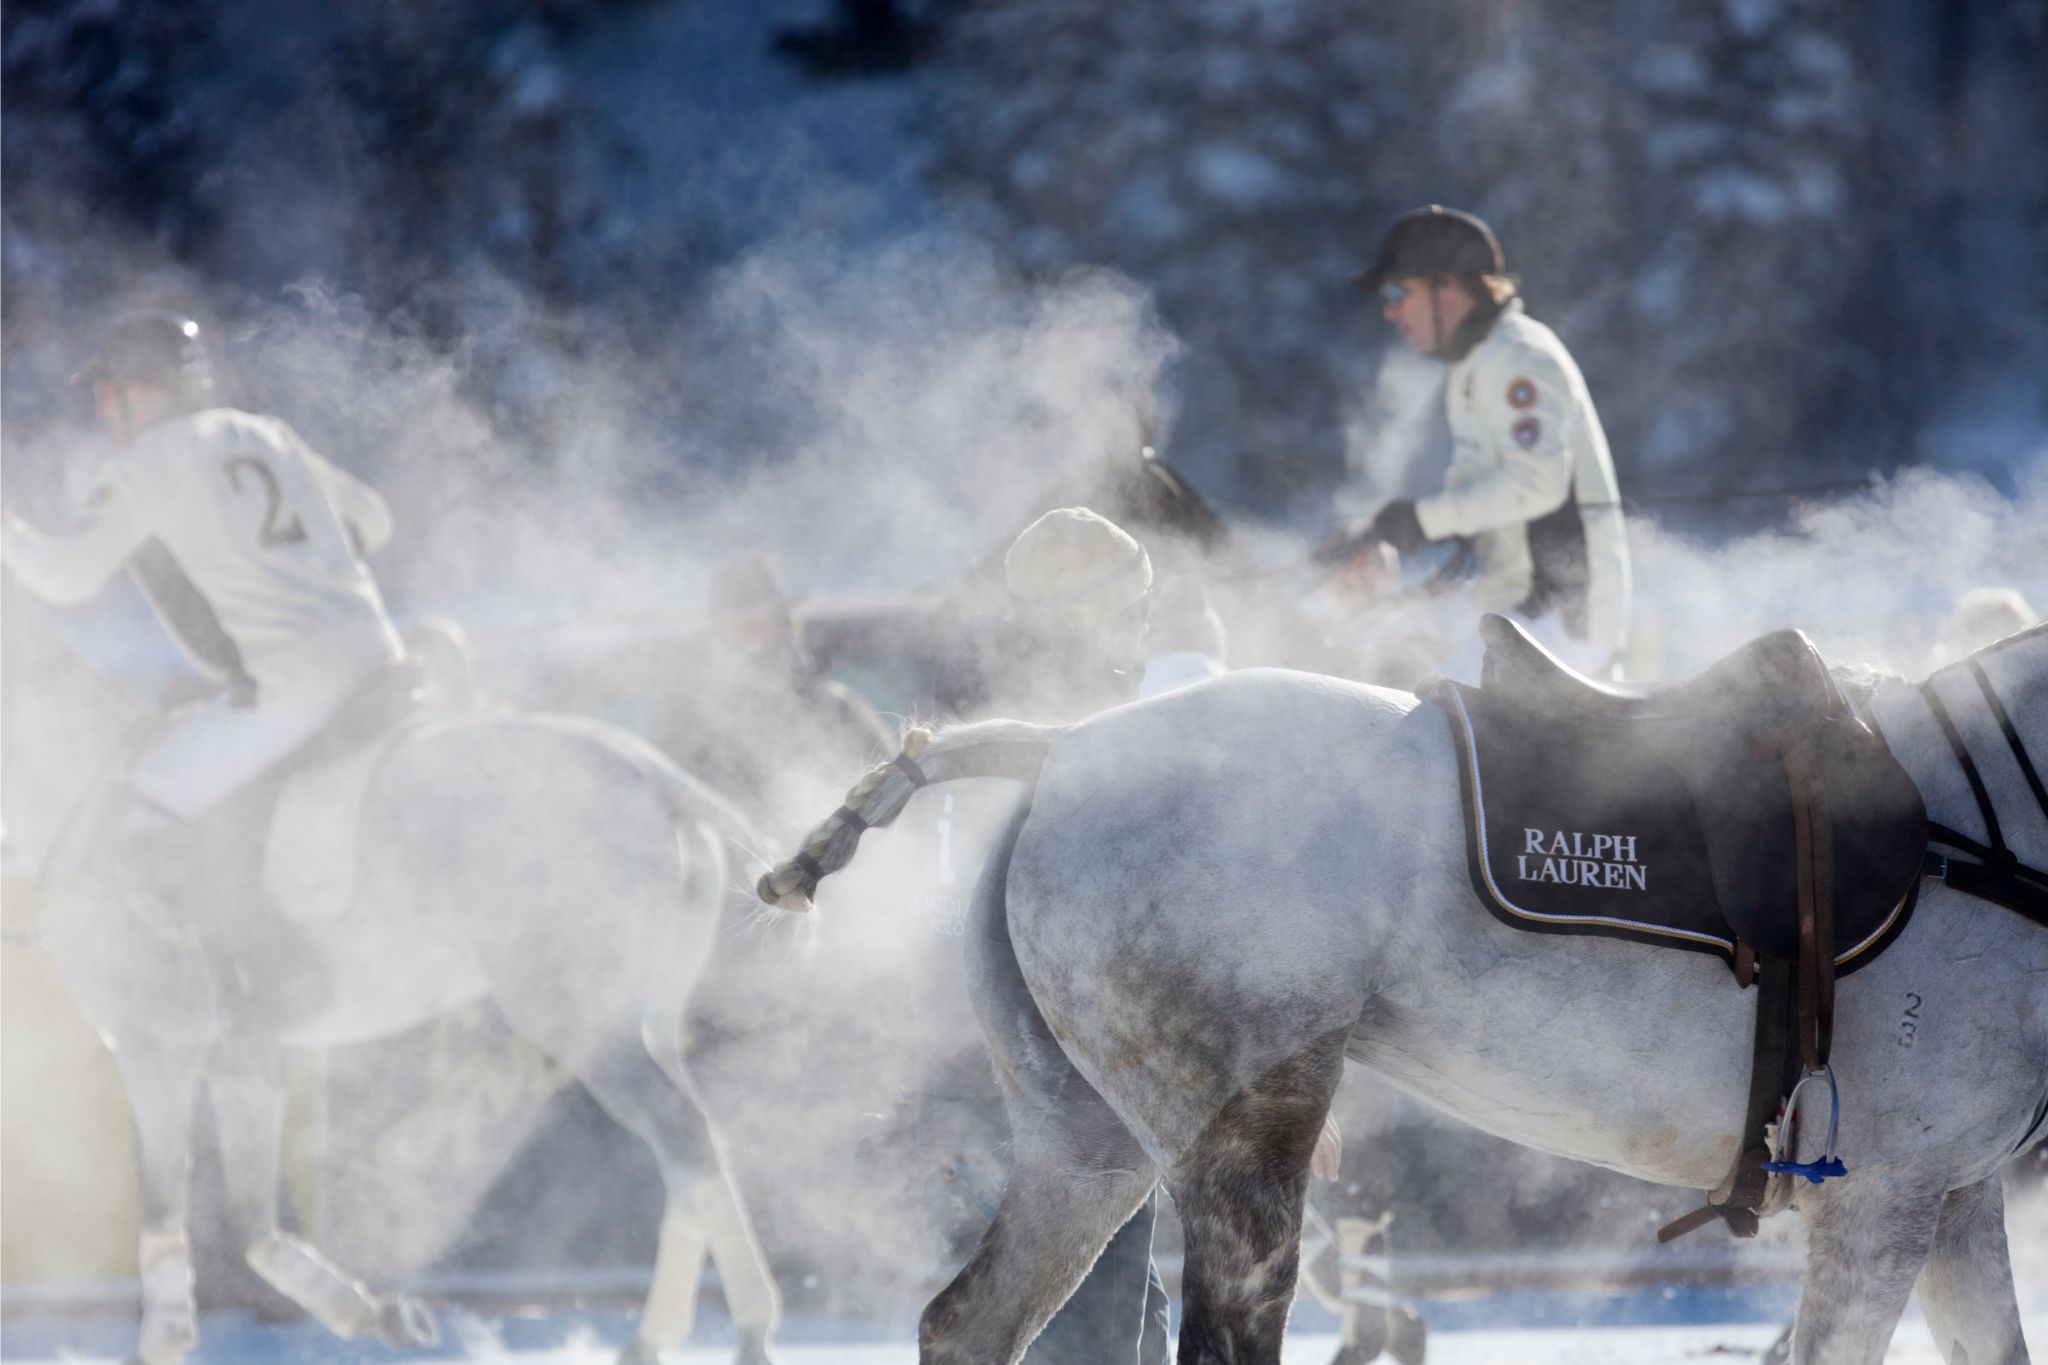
x,y
144,985
1967,1286
703,1206
1078,1177
1240,1189
1864,1247
248,1106
161,1086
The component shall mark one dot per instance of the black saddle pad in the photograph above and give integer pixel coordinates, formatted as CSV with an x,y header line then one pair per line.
x,y
1597,826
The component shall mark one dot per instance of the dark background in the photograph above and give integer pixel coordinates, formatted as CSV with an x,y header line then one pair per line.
x,y
1789,240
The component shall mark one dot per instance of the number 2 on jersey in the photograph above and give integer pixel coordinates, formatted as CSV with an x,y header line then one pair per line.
x,y
279,528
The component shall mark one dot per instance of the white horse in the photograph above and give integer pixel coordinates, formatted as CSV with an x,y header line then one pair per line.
x,y
1205,903
564,869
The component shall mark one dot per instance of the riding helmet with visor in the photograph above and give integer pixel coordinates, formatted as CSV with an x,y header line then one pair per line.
x,y
1428,242
157,347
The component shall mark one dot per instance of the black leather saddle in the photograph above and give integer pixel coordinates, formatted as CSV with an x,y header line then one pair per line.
x,y
1709,762
1745,811
1775,680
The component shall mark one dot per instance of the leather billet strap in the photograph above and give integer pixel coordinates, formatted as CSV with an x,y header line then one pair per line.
x,y
1813,840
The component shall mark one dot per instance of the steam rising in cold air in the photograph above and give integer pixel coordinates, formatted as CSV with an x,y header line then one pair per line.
x,y
908,410
875,414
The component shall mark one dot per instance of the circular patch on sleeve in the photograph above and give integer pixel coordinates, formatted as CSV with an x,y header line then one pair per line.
x,y
1526,431
1521,394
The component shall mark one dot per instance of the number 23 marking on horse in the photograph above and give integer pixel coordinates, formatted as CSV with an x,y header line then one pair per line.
x,y
1910,1025
277,530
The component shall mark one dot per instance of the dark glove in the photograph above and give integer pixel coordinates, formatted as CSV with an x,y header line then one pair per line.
x,y
1398,526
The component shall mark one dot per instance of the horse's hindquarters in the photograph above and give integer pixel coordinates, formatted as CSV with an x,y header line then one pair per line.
x,y
1182,899
549,854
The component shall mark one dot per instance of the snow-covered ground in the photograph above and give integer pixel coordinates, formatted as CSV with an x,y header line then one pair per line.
x,y
1723,1328
238,1342
1686,1317
1600,1346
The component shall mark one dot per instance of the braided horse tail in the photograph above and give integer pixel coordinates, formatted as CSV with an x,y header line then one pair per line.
x,y
990,748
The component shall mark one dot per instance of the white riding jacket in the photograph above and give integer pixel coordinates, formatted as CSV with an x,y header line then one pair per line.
x,y
1525,438
247,543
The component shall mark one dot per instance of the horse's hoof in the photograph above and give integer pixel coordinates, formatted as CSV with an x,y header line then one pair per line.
x,y
753,1347
638,1352
1361,1350
1408,1342
167,1338
403,1321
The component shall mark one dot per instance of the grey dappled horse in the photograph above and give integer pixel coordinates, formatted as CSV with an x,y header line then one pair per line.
x,y
562,868
1206,902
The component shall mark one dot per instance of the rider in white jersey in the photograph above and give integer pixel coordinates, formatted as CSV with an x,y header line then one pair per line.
x,y
248,544
1531,481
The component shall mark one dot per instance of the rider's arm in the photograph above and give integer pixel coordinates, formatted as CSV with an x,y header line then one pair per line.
x,y
72,567
362,510
1523,402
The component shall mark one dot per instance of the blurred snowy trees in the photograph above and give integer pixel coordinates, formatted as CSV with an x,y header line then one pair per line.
x,y
1788,239
1736,213
99,102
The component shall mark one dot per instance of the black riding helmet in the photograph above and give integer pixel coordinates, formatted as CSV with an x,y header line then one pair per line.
x,y
1432,241
158,347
